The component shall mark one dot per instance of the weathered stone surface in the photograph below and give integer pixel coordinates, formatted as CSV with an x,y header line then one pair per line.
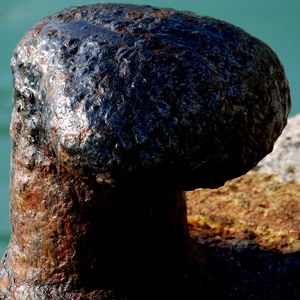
x,y
256,208
250,226
135,94
249,229
284,161
115,108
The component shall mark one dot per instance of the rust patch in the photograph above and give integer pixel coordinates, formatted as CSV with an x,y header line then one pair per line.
x,y
120,30
161,14
37,32
134,15
4,281
75,16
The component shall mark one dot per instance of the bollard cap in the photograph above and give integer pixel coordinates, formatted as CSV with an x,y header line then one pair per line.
x,y
141,96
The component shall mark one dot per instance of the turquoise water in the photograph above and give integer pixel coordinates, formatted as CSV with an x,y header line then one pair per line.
x,y
276,22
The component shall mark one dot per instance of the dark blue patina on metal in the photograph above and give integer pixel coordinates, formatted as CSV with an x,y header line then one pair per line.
x,y
140,95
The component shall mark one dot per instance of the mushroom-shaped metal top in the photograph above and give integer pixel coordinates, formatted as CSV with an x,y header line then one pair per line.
x,y
138,95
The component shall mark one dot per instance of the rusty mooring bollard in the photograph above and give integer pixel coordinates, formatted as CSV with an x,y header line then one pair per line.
x,y
117,109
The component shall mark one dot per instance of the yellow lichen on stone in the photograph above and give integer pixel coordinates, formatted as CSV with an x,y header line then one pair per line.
x,y
255,206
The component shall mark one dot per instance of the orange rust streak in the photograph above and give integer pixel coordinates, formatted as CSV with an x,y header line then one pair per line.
x,y
4,282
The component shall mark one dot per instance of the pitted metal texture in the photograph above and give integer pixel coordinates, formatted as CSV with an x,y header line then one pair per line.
x,y
136,95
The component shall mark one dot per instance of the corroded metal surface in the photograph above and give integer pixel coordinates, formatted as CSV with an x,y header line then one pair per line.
x,y
114,106
74,239
139,95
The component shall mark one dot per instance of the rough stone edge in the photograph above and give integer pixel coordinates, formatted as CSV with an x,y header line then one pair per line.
x,y
284,161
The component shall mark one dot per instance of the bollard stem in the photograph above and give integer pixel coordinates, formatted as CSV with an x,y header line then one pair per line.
x,y
82,236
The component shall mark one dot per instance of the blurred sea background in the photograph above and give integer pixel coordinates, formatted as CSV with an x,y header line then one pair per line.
x,y
276,22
